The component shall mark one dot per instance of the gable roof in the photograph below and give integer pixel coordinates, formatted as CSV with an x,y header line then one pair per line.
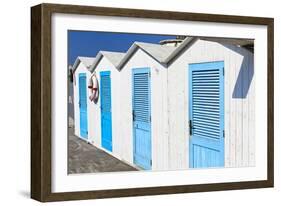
x,y
87,61
185,44
235,41
166,54
191,40
159,52
113,57
245,43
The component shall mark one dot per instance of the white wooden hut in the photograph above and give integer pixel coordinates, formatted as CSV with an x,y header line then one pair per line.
x,y
104,115
211,102
189,106
81,74
143,107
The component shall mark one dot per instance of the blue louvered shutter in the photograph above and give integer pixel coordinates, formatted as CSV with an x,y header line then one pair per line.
x,y
106,120
141,98
141,118
206,114
83,105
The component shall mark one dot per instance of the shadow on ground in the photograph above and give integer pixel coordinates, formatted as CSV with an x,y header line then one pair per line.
x,y
86,158
24,193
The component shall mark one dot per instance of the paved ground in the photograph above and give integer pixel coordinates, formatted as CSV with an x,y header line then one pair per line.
x,y
86,158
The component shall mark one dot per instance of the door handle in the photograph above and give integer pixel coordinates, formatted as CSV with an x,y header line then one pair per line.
x,y
133,114
190,127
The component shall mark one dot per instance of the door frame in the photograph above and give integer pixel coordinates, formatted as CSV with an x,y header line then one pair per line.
x,y
135,71
221,144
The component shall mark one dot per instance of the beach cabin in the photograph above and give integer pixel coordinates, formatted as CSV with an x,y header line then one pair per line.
x,y
104,114
81,74
143,106
190,106
211,102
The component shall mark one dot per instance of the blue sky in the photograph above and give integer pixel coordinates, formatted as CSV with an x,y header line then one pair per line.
x,y
89,43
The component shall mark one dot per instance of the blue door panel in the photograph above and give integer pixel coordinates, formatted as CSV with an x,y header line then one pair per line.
x,y
205,156
141,117
206,115
106,121
83,105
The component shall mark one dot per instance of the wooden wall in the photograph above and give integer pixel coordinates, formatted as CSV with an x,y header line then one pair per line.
x,y
239,103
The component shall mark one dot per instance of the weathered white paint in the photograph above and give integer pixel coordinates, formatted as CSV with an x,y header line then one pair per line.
x,y
159,127
239,115
81,68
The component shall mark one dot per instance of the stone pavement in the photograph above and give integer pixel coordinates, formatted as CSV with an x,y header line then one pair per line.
x,y
86,158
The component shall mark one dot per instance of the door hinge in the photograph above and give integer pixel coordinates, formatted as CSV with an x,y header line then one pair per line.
x,y
223,71
150,162
223,134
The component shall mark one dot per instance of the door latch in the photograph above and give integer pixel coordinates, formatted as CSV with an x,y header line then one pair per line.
x,y
133,114
190,127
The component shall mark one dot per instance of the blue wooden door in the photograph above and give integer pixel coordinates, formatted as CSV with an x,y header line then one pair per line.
x,y
105,106
83,105
206,115
141,117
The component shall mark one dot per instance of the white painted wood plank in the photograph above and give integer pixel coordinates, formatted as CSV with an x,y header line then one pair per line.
x,y
227,84
245,109
239,112
252,145
232,111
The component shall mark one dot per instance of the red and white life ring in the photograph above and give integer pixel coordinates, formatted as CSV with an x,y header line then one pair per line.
x,y
93,87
